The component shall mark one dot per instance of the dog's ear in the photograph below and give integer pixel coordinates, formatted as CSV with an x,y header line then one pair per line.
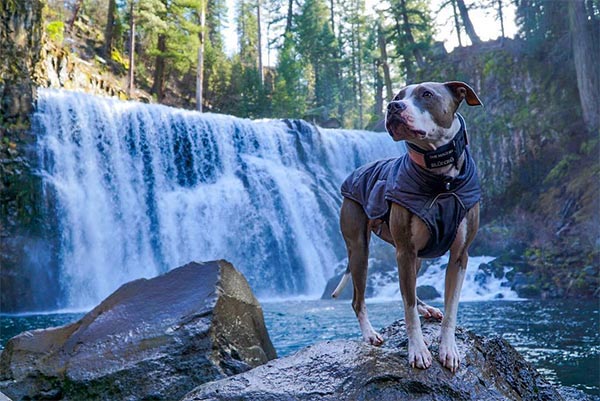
x,y
461,91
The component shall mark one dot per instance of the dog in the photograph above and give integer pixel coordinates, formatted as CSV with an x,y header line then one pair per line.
x,y
423,203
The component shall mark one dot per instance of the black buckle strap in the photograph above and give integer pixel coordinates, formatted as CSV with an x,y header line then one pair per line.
x,y
447,154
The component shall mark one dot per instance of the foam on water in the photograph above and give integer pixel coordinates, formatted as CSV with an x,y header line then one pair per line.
x,y
476,286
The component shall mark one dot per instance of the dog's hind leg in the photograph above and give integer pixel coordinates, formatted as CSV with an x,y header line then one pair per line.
x,y
427,311
354,225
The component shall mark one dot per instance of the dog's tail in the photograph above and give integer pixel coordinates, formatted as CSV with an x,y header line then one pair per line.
x,y
340,287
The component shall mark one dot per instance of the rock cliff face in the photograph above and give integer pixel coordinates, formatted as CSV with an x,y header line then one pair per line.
x,y
23,227
151,339
61,68
27,223
348,370
538,166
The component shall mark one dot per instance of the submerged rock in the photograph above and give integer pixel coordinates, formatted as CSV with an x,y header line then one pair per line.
x,y
491,369
151,339
427,292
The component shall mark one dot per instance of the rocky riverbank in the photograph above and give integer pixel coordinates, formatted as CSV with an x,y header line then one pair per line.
x,y
352,370
198,329
151,339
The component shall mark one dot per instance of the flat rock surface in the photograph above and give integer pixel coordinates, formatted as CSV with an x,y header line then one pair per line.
x,y
151,339
491,369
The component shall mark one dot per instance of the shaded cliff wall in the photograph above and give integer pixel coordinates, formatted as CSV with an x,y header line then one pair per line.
x,y
22,223
28,257
538,165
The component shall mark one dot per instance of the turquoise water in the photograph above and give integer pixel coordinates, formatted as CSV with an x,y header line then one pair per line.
x,y
561,338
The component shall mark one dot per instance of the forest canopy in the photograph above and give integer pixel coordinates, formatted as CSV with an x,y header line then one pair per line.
x,y
334,62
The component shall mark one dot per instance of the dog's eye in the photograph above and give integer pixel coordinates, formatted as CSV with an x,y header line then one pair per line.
x,y
427,94
397,97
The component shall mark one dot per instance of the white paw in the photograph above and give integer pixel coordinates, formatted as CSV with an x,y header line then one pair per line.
x,y
429,312
449,355
419,355
372,337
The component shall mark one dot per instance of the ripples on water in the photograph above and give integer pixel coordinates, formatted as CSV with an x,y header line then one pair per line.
x,y
561,338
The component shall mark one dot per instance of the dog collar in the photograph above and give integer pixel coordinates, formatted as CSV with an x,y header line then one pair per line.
x,y
444,155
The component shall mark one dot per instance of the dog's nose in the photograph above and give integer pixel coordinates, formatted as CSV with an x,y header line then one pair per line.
x,y
396,106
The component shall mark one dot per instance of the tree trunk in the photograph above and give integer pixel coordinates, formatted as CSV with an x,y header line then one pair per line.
x,y
456,22
331,17
110,27
260,59
359,71
501,17
464,14
384,62
587,63
159,68
76,9
378,104
130,85
200,68
290,17
409,37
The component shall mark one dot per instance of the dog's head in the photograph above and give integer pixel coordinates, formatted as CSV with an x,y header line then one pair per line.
x,y
426,112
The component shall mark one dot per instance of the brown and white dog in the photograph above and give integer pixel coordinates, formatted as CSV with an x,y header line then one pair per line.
x,y
425,116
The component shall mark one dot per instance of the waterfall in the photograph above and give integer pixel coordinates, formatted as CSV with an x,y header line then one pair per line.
x,y
139,189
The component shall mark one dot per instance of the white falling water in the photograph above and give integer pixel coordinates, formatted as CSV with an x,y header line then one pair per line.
x,y
477,285
140,189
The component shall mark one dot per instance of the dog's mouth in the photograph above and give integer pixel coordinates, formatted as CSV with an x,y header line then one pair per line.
x,y
399,129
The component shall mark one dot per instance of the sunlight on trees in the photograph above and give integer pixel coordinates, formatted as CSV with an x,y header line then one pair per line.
x,y
334,62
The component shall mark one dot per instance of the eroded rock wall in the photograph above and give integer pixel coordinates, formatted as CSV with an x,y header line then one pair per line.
x,y
23,227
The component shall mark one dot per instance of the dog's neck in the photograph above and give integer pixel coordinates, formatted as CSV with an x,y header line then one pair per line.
x,y
439,139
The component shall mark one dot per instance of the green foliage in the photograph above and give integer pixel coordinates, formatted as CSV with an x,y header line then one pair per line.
x,y
588,147
56,30
322,63
118,58
317,43
561,169
290,83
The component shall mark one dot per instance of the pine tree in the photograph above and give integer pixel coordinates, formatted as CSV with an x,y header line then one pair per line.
x,y
246,83
317,43
411,33
289,99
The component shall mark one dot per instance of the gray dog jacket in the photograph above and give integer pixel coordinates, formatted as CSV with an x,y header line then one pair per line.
x,y
440,201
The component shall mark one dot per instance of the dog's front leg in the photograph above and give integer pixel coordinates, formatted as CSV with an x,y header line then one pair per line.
x,y
455,274
410,235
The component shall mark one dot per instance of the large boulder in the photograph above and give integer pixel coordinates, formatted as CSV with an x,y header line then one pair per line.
x,y
343,370
151,339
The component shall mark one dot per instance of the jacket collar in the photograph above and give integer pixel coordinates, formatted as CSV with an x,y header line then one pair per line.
x,y
443,156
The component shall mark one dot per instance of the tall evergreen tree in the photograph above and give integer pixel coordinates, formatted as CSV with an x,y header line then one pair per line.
x,y
411,33
289,99
110,28
217,66
317,43
585,29
245,82
200,67
176,44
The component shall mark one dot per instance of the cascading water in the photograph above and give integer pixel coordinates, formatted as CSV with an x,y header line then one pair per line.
x,y
143,188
